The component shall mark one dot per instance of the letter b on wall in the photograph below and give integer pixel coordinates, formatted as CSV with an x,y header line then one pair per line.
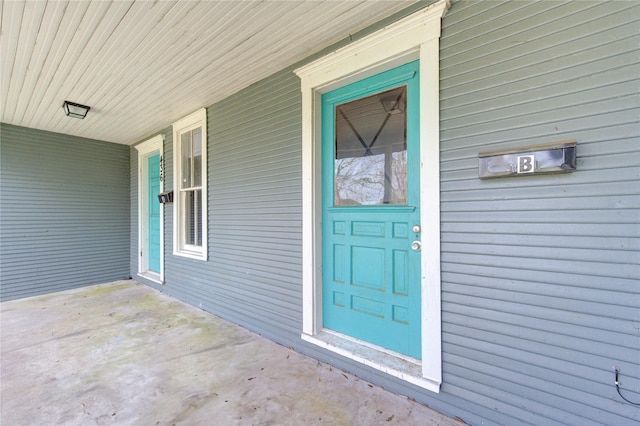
x,y
526,164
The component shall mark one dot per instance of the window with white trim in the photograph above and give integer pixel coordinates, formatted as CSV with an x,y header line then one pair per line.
x,y
190,186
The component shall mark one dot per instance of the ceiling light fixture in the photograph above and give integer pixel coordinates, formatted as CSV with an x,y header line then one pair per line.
x,y
71,109
393,105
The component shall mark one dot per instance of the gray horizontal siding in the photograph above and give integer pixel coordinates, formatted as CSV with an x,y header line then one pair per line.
x,y
64,217
540,274
253,274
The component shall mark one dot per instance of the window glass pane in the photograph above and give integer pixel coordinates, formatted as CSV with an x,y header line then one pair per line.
x,y
190,185
197,157
185,140
189,207
192,213
193,218
198,221
371,150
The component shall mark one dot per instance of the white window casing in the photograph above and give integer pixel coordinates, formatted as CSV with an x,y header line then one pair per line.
x,y
414,37
181,218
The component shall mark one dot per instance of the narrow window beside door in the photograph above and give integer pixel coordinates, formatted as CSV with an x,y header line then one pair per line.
x,y
190,168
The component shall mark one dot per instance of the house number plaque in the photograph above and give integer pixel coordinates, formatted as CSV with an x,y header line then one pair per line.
x,y
555,157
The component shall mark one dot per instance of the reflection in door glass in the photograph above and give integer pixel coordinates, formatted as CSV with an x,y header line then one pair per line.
x,y
371,150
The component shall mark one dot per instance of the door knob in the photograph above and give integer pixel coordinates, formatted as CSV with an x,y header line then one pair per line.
x,y
416,228
416,245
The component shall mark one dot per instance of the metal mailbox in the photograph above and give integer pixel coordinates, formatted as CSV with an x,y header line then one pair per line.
x,y
555,157
165,197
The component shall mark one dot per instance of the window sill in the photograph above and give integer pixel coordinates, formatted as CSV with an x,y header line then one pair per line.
x,y
191,255
394,364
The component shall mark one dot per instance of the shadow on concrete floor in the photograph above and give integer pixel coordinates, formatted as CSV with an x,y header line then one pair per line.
x,y
123,353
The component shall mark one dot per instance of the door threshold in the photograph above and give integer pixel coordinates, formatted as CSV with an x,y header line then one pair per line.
x,y
151,276
392,363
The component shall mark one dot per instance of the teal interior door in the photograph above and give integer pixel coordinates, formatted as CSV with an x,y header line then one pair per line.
x,y
370,210
154,213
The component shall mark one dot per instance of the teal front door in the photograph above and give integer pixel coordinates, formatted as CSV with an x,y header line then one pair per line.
x,y
154,213
370,210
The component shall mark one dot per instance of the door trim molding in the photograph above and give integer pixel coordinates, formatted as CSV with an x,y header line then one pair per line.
x,y
145,150
414,37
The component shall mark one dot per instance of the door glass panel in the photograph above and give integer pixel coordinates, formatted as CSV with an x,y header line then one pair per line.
x,y
186,159
371,150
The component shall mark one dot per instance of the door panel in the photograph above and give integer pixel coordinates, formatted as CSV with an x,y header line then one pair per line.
x,y
154,213
370,166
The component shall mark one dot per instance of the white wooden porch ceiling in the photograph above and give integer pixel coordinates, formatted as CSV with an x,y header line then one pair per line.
x,y
141,65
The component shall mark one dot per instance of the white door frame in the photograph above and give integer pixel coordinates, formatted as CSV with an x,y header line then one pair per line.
x,y
145,150
414,37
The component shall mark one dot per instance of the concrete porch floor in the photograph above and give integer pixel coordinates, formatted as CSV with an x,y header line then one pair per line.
x,y
125,354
